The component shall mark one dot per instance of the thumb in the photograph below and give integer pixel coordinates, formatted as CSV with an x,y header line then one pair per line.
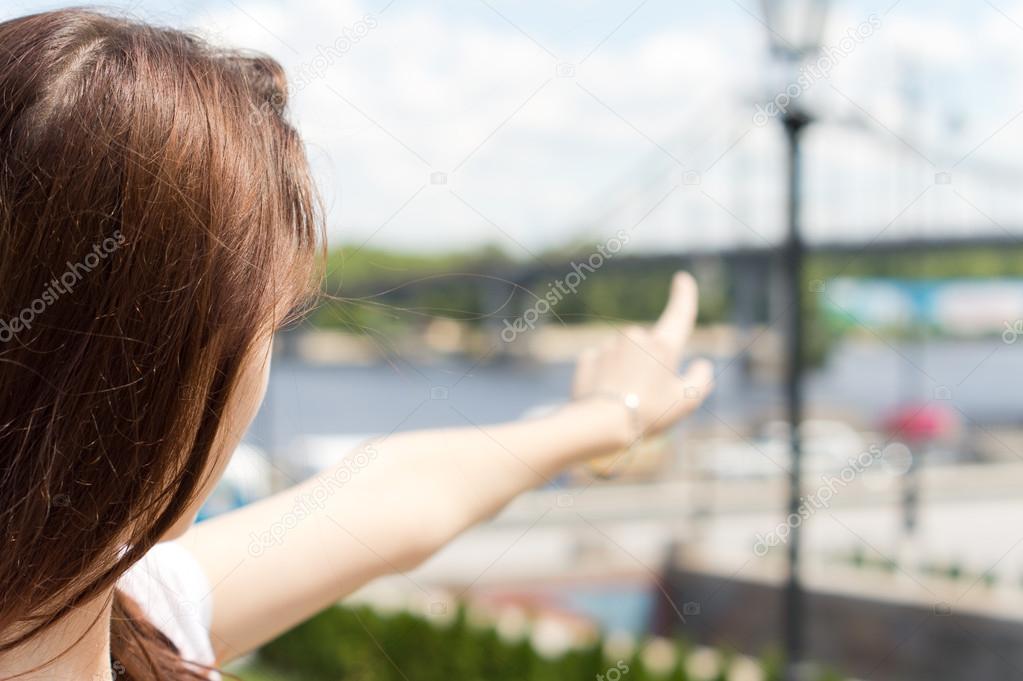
x,y
585,372
697,383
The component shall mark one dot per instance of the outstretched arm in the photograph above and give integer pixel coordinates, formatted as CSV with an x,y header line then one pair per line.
x,y
396,501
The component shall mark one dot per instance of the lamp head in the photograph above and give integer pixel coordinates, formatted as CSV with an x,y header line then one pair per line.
x,y
795,27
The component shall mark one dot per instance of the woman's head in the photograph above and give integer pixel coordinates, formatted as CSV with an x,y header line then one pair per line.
x,y
157,222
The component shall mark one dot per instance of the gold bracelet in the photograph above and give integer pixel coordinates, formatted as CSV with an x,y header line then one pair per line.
x,y
601,467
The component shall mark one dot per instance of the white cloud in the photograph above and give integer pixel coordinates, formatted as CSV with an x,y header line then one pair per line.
x,y
546,161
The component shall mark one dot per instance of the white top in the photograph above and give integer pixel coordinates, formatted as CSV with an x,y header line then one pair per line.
x,y
172,590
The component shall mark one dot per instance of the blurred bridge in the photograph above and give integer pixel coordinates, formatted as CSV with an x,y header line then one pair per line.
x,y
718,197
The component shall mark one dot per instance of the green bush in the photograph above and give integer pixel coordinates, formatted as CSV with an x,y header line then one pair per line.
x,y
358,644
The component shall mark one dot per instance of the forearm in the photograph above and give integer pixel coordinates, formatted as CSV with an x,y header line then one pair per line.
x,y
459,477
412,494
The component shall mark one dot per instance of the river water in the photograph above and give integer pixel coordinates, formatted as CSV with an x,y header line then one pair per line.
x,y
861,381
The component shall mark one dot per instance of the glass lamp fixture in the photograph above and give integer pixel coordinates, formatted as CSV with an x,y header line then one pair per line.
x,y
795,27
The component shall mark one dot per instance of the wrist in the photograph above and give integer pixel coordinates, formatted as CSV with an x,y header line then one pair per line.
x,y
604,422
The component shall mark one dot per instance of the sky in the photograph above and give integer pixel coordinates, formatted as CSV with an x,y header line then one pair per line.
x,y
452,124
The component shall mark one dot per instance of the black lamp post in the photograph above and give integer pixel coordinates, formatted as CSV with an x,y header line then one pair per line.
x,y
792,263
794,29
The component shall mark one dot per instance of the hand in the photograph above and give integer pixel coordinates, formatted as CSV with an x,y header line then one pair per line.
x,y
644,362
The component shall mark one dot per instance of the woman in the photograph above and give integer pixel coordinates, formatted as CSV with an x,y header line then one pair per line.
x,y
157,225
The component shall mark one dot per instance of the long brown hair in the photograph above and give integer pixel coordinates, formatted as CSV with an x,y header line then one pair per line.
x,y
156,216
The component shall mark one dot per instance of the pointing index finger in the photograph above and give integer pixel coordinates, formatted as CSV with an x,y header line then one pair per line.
x,y
676,322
